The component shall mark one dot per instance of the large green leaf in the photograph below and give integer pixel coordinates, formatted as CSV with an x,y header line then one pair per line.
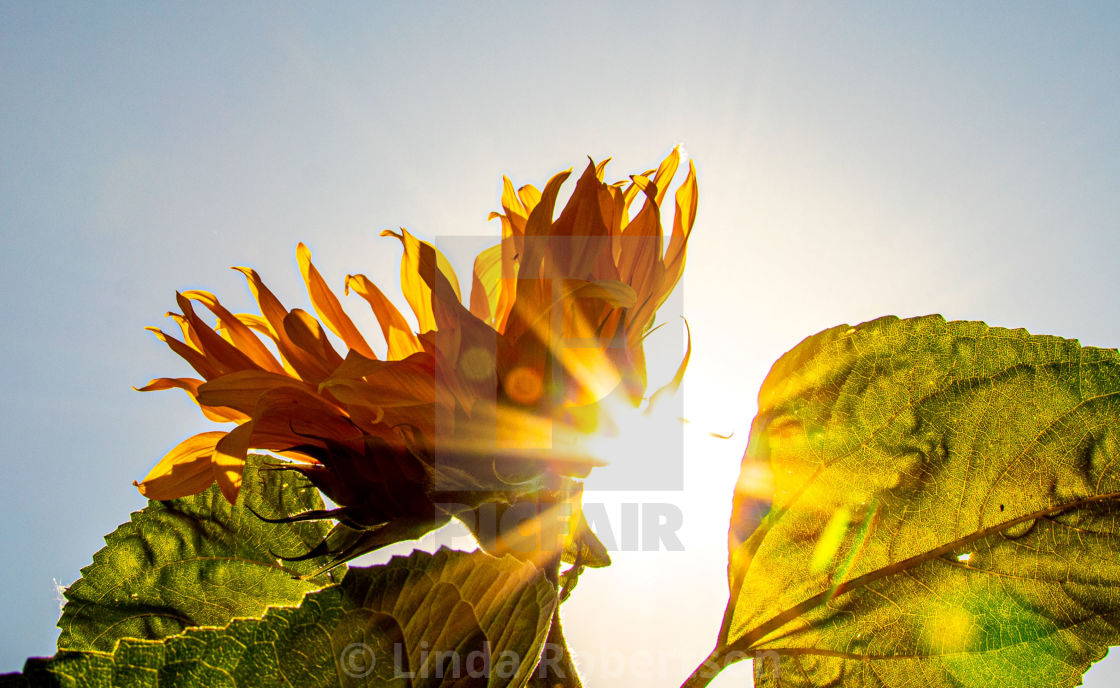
x,y
197,561
944,510
393,625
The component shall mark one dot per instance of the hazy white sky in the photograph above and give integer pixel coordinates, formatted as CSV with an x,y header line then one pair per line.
x,y
880,158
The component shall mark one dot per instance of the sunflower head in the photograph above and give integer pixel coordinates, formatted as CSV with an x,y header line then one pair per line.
x,y
481,403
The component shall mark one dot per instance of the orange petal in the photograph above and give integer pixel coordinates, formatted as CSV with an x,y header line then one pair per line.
x,y
305,333
617,294
225,356
295,360
327,306
243,390
218,414
195,359
184,471
239,333
374,384
534,291
286,417
579,243
271,308
640,258
612,292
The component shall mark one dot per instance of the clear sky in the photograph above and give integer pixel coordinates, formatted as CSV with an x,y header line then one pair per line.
x,y
877,158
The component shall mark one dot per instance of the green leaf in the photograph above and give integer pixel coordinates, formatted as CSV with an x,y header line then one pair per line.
x,y
197,561
944,510
393,625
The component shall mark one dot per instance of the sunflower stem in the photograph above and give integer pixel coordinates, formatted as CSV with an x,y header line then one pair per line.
x,y
556,669
707,671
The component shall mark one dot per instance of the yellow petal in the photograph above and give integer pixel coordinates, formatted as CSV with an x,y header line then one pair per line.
x,y
327,306
446,302
271,308
184,471
507,295
399,339
685,217
665,173
629,195
189,337
668,271
601,169
540,220
257,323
413,283
487,284
228,460
530,196
516,212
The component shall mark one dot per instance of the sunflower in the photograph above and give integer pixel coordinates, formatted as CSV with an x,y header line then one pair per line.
x,y
480,404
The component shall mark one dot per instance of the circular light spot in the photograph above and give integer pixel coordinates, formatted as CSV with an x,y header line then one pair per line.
x,y
476,364
524,385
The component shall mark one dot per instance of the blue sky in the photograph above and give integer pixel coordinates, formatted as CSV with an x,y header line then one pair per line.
x,y
856,161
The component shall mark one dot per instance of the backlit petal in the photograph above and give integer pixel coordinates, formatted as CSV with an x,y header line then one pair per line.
x,y
416,288
242,390
327,306
190,385
399,339
184,471
228,460
240,336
